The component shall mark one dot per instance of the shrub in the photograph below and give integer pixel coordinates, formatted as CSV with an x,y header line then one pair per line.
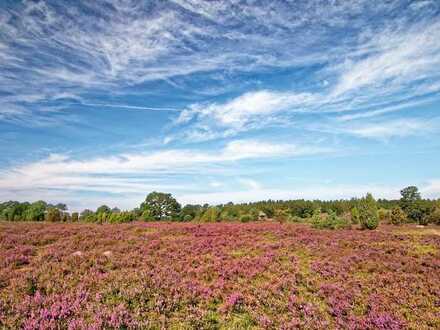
x,y
384,215
434,216
331,221
187,217
281,214
146,215
74,217
121,217
368,216
355,215
66,217
295,219
212,214
53,215
424,220
397,216
245,218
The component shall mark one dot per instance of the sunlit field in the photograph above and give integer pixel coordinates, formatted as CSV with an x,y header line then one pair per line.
x,y
261,275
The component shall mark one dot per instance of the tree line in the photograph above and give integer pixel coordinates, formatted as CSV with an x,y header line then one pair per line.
x,y
158,206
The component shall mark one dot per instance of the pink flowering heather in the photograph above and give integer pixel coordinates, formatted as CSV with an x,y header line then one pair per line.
x,y
224,275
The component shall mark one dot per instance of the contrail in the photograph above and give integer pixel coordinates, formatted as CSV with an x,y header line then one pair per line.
x,y
128,107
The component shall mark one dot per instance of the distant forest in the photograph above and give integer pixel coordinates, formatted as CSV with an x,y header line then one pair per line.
x,y
158,206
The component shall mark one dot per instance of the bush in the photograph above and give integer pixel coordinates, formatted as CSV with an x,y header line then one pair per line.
x,y
146,216
53,215
75,217
384,215
212,214
187,217
121,217
397,216
331,221
281,214
295,219
368,216
66,217
434,216
245,218
355,215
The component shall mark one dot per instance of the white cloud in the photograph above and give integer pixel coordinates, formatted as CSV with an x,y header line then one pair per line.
x,y
397,58
250,106
431,189
130,173
389,129
316,191
250,183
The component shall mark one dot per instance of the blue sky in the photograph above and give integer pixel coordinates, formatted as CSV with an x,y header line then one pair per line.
x,y
216,101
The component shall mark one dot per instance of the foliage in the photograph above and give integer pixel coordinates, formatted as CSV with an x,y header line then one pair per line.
x,y
434,216
192,211
162,206
410,196
355,215
36,211
146,215
384,215
368,217
211,215
87,216
397,216
330,221
187,217
121,217
103,209
246,218
53,215
416,209
75,217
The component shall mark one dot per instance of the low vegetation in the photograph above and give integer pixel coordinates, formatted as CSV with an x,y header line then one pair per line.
x,y
266,275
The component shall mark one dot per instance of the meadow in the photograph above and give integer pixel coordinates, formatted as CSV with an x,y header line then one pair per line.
x,y
259,275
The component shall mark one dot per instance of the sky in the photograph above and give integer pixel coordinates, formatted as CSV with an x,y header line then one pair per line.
x,y
102,102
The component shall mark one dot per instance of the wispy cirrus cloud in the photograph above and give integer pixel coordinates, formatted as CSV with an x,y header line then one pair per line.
x,y
387,69
103,48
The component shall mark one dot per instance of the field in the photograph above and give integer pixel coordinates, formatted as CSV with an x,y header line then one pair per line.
x,y
226,276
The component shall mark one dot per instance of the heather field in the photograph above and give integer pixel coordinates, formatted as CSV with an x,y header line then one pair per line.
x,y
218,276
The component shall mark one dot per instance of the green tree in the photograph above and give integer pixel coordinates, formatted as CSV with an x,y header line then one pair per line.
x,y
161,206
36,211
190,210
103,209
88,216
368,216
410,203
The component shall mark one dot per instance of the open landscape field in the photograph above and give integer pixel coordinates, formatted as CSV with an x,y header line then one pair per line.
x,y
261,275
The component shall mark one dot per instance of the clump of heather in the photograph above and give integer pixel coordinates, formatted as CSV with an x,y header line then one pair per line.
x,y
217,275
